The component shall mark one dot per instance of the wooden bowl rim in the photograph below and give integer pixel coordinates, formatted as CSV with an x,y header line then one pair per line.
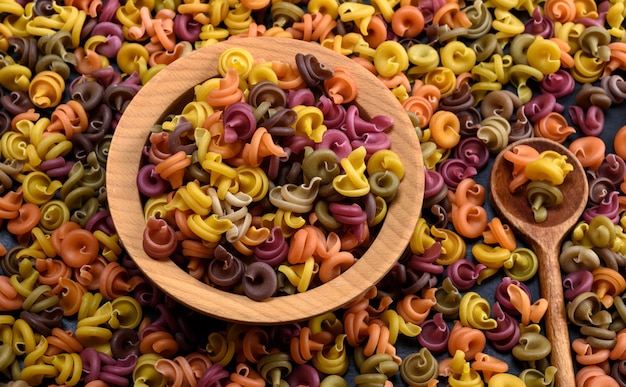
x,y
164,91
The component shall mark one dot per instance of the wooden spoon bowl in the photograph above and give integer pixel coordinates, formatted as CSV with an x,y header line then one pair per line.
x,y
167,93
545,238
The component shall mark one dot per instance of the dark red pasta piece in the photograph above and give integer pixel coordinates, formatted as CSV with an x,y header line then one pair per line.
x,y
88,93
472,151
225,270
124,343
16,102
506,335
312,70
539,25
186,28
334,114
239,122
259,281
435,334
464,273
273,250
304,375
459,100
502,295
576,283
215,376
179,138
44,321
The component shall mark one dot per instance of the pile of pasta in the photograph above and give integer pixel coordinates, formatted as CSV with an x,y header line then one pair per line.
x,y
472,76
286,185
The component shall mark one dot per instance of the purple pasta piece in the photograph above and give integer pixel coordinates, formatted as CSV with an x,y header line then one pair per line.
x,y
591,123
259,281
5,122
337,141
435,334
312,71
502,297
460,100
433,183
599,189
25,50
539,25
464,273
269,93
608,207
576,283
618,372
149,183
603,8
119,96
239,122
613,168
283,117
225,270
44,321
392,281
416,281
107,13
133,81
56,167
186,28
280,335
426,262
355,126
298,143
560,84
131,267
473,151
274,249
521,127
100,123
41,8
93,368
102,221
440,216
454,171
81,146
87,93
334,115
372,142
123,366
507,333
166,320
114,38
215,376
348,213
148,295
540,106
107,76
179,138
303,97
303,375
615,87
432,5
16,102
369,206
469,121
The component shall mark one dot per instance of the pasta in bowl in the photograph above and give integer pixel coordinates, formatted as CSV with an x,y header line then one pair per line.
x,y
277,184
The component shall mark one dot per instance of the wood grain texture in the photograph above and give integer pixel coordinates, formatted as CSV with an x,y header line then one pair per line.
x,y
167,92
546,239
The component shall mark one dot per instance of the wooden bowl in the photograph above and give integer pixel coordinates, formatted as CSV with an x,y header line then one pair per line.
x,y
166,93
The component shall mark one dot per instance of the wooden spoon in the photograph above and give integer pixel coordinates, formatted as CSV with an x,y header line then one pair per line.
x,y
545,238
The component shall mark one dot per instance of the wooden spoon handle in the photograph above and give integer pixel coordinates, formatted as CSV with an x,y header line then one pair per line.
x,y
556,318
